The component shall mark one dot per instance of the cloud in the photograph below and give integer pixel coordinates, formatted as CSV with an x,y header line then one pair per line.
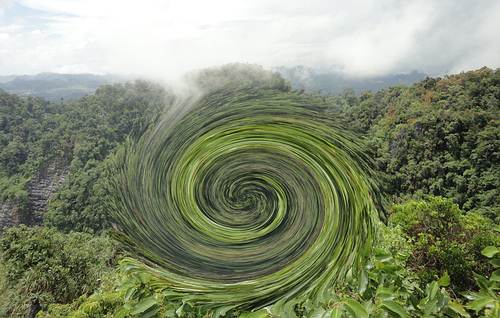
x,y
166,38
4,5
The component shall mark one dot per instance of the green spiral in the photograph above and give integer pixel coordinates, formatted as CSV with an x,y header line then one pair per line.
x,y
249,198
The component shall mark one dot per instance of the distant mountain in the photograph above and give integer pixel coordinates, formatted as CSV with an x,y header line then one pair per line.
x,y
54,86
6,78
335,82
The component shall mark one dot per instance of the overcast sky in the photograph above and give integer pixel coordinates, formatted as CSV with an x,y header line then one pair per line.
x,y
164,38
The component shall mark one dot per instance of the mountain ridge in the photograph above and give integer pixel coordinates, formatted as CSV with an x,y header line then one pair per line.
x,y
56,86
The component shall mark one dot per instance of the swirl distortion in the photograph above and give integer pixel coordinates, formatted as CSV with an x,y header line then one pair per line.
x,y
249,198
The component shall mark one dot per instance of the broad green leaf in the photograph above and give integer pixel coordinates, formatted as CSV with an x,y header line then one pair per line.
x,y
480,303
430,307
151,312
495,262
355,308
458,308
383,258
490,251
381,291
481,281
363,282
395,308
495,276
143,305
433,288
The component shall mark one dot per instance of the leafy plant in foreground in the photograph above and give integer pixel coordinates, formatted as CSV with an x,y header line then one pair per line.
x,y
486,301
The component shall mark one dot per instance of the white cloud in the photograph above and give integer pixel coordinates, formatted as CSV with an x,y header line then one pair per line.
x,y
165,38
4,5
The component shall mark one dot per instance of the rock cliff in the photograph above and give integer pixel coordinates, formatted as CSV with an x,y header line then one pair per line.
x,y
40,189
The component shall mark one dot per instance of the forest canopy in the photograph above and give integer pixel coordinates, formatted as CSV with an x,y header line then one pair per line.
x,y
436,151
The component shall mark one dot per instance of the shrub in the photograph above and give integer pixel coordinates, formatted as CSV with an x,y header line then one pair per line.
x,y
42,266
445,239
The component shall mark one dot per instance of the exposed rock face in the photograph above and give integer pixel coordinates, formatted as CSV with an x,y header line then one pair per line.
x,y
9,214
40,190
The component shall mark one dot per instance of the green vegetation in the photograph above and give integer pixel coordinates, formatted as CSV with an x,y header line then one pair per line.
x,y
438,137
103,120
436,147
78,136
386,287
42,266
445,240
255,184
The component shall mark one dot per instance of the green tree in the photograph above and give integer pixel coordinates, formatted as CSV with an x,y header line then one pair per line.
x,y
445,240
42,266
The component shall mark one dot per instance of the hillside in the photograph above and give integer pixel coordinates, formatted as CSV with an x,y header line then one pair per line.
x,y
330,82
54,87
439,136
435,146
54,152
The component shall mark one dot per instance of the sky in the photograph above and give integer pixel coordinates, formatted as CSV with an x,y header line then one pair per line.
x,y
161,38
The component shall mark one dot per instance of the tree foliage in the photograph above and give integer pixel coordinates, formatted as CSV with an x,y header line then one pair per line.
x,y
79,135
440,136
445,240
42,266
